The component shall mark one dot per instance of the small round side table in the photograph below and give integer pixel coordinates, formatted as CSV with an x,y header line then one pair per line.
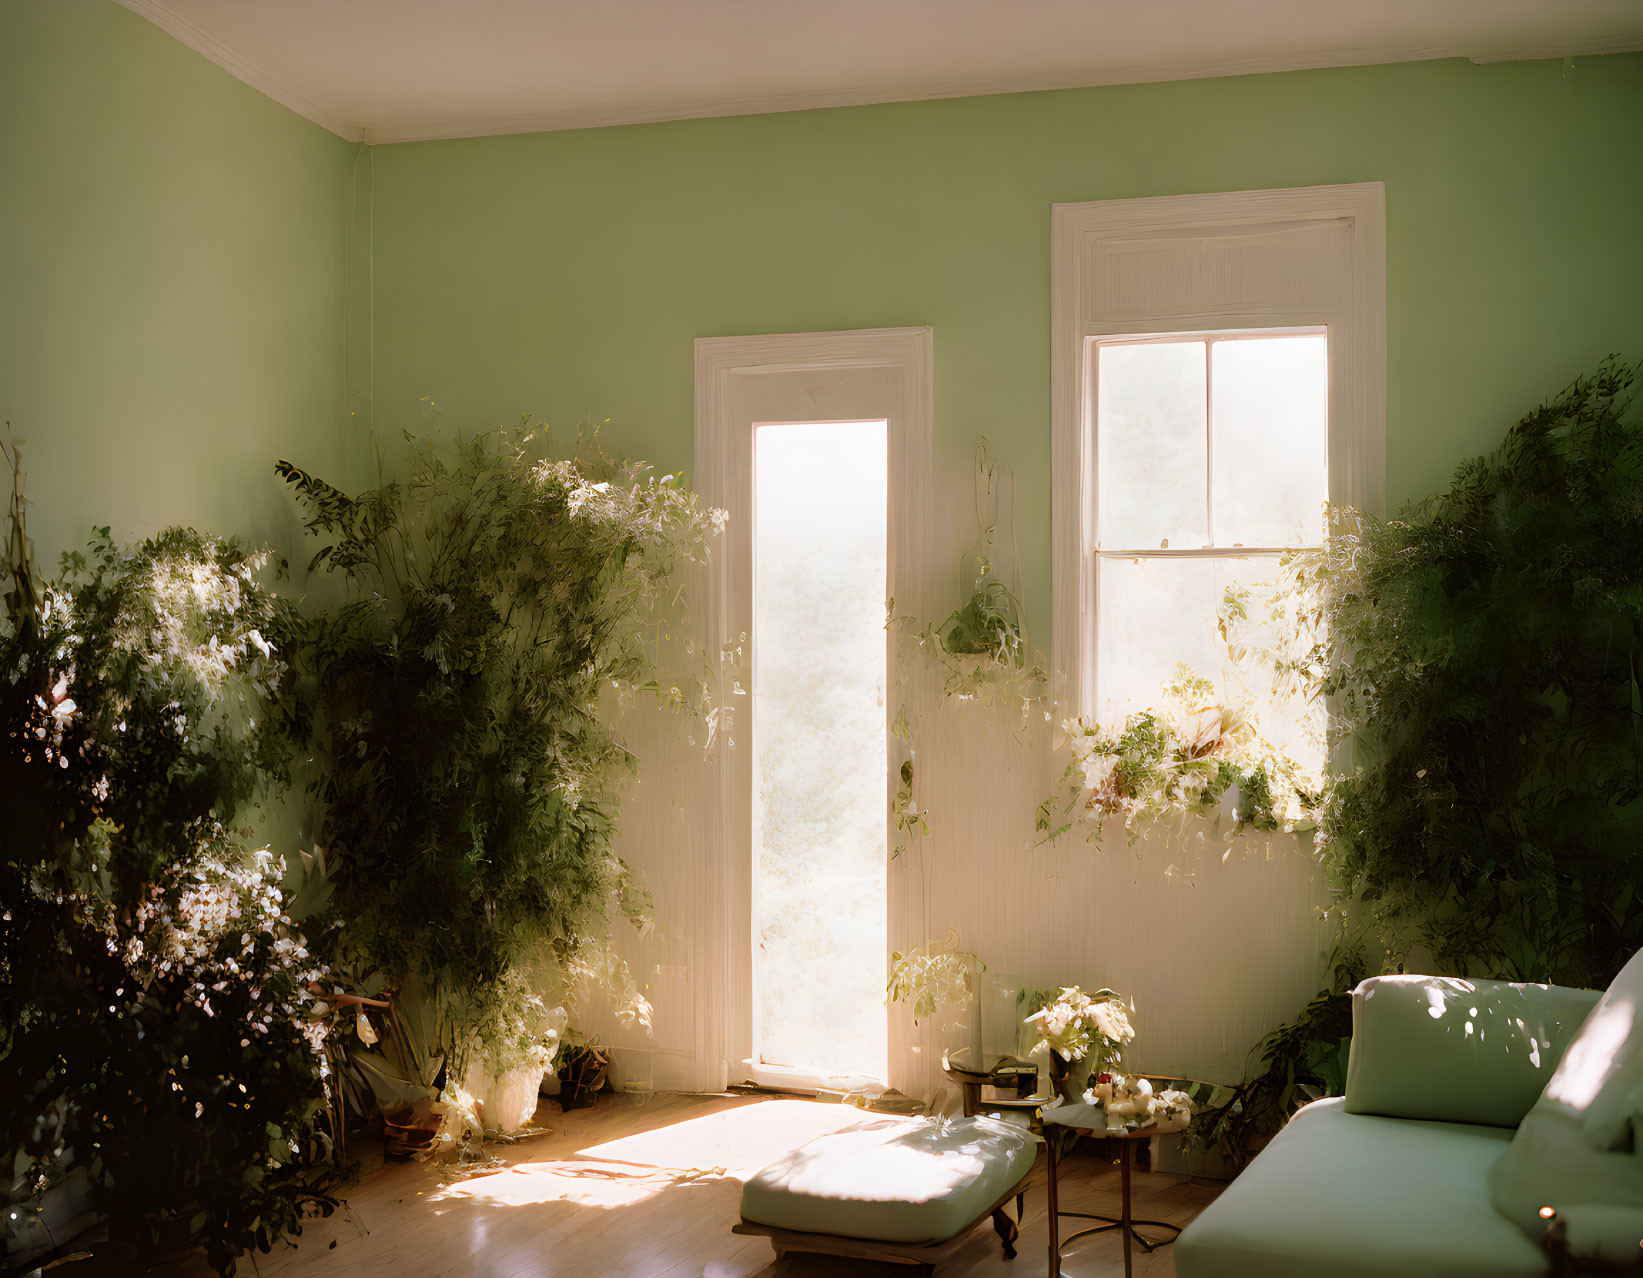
x,y
1082,1118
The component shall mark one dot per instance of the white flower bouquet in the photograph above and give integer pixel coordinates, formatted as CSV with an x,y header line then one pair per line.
x,y
1089,1030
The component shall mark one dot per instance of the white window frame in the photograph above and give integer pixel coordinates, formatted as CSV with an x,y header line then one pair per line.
x,y
726,368
1189,265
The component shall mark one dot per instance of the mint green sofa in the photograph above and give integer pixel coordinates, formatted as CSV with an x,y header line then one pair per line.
x,y
1393,1179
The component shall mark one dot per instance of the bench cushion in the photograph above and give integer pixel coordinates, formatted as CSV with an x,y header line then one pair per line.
x,y
902,1180
1359,1196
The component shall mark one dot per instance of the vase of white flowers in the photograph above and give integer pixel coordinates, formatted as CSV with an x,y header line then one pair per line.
x,y
1080,1034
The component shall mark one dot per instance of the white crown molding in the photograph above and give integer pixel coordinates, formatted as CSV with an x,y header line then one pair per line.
x,y
213,50
562,119
812,100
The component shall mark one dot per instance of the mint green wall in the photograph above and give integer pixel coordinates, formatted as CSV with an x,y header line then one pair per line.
x,y
172,267
565,274
194,281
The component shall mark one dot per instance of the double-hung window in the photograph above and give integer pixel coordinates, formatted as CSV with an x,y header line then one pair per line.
x,y
1218,377
1211,461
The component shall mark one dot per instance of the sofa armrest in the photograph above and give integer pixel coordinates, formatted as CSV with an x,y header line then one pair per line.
x,y
1439,1047
1596,1239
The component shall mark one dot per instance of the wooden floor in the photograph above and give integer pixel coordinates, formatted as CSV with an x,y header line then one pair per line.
x,y
650,1189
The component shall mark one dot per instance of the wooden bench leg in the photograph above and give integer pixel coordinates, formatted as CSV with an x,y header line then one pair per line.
x,y
1008,1231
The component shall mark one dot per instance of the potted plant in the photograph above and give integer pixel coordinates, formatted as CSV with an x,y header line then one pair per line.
x,y
1080,1035
467,781
583,1068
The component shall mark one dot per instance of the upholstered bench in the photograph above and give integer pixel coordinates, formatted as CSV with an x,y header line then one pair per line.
x,y
897,1189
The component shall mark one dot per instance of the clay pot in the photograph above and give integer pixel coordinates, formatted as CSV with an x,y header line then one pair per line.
x,y
409,1130
581,1075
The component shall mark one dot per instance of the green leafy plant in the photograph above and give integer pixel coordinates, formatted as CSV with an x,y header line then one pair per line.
x,y
933,976
1484,653
988,624
909,819
981,647
1295,1063
157,1025
1185,756
468,779
1482,656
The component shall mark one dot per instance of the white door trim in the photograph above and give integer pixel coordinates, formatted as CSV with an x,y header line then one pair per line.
x,y
724,478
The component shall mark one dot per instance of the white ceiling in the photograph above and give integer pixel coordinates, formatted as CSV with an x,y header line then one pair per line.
x,y
395,70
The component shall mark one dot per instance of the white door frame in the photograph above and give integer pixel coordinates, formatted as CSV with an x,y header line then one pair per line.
x,y
811,374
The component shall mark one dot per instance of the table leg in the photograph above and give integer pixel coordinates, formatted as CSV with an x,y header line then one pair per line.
x,y
1126,1157
1053,1215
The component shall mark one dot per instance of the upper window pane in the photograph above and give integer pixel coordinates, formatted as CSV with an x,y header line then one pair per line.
x,y
1151,449
1270,409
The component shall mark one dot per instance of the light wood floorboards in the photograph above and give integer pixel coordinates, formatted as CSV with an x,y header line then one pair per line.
x,y
649,1189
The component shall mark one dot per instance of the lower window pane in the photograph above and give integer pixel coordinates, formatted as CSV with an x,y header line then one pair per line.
x,y
1157,612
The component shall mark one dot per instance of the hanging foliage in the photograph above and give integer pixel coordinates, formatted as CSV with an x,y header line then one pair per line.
x,y
981,648
467,780
1186,756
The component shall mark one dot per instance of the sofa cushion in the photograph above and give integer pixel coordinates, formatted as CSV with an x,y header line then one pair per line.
x,y
1579,1145
1359,1196
1461,1051
905,1180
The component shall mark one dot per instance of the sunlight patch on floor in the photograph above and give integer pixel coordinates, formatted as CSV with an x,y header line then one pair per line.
x,y
738,1141
733,1143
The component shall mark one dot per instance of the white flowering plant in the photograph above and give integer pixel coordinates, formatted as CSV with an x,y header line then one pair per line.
x,y
1089,1029
933,976
158,1024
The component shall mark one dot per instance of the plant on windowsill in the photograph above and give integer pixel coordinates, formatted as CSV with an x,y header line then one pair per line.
x,y
467,778
1187,756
